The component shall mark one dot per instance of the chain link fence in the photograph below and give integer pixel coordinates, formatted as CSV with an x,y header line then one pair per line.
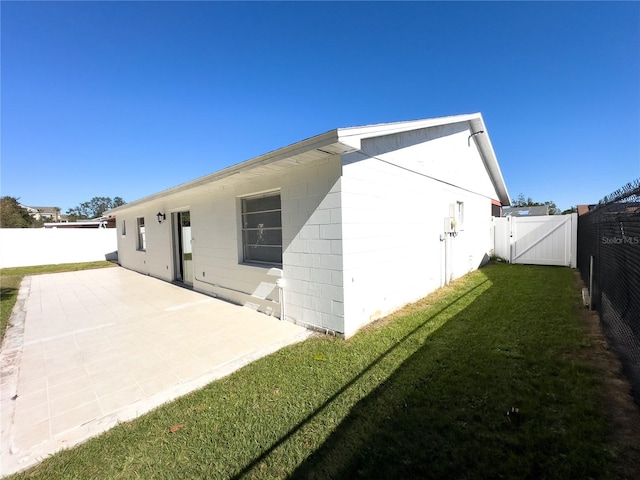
x,y
609,263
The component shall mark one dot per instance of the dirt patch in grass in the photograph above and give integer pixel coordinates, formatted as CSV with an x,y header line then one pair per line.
x,y
622,412
416,307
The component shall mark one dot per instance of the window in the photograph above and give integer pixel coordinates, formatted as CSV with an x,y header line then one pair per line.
x,y
460,215
142,239
124,228
262,229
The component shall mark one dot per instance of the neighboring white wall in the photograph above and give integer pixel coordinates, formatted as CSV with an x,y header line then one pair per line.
x,y
312,260
22,247
394,217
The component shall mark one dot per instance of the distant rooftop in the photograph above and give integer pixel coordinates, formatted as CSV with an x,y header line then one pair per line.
x,y
525,211
43,212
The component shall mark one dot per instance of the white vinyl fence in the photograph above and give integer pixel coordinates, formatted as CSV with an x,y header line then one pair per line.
x,y
544,240
23,247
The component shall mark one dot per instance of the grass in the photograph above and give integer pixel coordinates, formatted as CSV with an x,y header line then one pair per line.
x,y
11,278
422,394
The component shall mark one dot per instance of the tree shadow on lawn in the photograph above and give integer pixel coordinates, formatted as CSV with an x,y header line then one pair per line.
x,y
443,412
403,342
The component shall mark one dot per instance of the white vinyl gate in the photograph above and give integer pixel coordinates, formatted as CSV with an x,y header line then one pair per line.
x,y
544,240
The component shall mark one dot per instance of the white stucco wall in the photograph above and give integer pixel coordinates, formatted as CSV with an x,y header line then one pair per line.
x,y
312,260
393,218
23,247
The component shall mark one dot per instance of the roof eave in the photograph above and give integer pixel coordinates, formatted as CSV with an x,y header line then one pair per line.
x,y
318,142
344,140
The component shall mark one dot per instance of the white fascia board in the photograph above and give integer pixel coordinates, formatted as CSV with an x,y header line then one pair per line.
x,y
489,158
359,133
313,143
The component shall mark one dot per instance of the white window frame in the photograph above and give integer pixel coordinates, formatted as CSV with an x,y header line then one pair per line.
x,y
142,235
244,229
124,228
459,215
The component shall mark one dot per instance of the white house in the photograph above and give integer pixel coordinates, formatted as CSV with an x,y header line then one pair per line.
x,y
331,232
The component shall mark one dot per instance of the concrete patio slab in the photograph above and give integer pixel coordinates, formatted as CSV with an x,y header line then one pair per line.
x,y
89,349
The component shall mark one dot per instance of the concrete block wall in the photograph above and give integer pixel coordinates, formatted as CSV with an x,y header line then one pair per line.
x,y
473,244
312,259
361,231
152,260
391,242
393,218
445,153
312,237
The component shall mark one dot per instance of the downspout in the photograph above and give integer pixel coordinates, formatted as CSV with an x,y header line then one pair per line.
x,y
449,233
443,265
281,283
448,247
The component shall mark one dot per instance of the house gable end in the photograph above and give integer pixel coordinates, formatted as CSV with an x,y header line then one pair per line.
x,y
405,134
440,152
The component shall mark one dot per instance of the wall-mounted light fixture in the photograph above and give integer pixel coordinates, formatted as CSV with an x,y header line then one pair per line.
x,y
161,217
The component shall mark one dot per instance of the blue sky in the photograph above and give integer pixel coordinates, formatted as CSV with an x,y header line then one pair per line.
x,y
129,98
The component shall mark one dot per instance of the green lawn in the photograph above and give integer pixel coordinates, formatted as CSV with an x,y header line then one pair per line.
x,y
10,279
423,394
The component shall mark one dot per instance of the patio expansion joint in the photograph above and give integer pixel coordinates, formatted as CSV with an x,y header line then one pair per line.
x,y
71,334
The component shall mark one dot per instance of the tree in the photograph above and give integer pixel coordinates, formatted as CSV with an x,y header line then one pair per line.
x,y
94,208
523,201
553,209
13,215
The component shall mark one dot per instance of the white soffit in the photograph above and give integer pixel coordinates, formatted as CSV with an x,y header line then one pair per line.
x,y
315,148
